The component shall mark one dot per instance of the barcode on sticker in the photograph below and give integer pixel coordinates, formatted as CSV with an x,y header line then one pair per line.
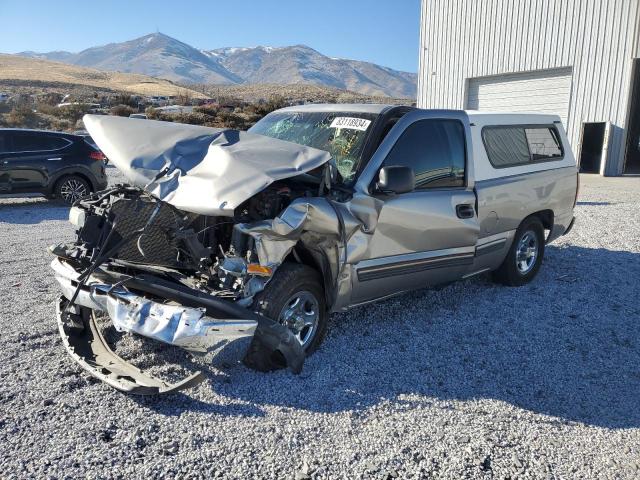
x,y
352,123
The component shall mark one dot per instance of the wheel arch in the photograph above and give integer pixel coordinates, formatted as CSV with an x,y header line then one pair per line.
x,y
318,260
86,176
546,217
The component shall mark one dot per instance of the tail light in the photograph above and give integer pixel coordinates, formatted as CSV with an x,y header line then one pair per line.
x,y
95,155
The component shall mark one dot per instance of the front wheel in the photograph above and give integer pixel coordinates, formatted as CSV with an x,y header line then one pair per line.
x,y
525,255
295,298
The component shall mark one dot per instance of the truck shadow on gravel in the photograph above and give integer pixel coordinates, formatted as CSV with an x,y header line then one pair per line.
x,y
32,210
567,345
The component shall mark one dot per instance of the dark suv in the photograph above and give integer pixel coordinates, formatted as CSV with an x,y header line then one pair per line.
x,y
55,164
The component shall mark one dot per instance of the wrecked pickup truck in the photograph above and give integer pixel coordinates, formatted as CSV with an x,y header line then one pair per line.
x,y
223,235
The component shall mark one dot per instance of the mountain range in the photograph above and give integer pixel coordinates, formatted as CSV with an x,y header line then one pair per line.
x,y
161,56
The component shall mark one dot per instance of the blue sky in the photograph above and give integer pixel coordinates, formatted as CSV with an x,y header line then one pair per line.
x,y
380,31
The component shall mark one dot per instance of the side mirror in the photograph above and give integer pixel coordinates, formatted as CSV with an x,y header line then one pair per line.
x,y
396,179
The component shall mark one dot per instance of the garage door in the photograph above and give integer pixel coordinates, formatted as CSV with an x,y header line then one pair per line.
x,y
542,91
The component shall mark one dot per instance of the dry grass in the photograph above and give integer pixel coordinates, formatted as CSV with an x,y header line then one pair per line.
x,y
295,92
43,71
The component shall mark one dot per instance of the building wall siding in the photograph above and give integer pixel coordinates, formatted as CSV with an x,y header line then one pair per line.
x,y
598,39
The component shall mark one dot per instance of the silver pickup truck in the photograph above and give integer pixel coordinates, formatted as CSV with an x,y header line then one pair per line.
x,y
222,235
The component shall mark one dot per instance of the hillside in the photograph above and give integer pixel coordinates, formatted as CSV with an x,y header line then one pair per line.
x,y
162,56
15,70
302,64
156,55
293,93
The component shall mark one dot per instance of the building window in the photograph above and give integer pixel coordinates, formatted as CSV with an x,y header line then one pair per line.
x,y
435,150
520,145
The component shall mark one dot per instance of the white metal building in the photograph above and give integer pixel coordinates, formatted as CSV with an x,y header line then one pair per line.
x,y
574,58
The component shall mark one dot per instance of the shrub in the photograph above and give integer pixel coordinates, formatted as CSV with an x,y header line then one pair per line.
x,y
124,99
46,108
22,116
183,98
208,109
193,118
50,98
226,119
122,110
61,124
153,114
73,113
274,103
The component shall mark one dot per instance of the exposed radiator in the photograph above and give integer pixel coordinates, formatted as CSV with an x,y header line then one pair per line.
x,y
157,243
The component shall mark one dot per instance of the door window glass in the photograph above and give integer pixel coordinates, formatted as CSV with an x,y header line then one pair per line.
x,y
435,150
35,143
4,147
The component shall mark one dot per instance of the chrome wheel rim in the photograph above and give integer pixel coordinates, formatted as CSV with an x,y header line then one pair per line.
x,y
72,190
527,252
301,313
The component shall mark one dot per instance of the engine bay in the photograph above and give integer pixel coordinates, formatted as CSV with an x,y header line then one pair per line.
x,y
131,231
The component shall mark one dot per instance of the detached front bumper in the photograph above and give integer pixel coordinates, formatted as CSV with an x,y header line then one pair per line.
x,y
189,328
184,324
87,347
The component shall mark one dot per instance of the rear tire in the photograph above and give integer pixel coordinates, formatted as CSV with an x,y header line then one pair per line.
x,y
71,188
525,255
295,297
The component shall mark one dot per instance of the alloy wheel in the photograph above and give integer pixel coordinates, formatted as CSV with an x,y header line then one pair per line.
x,y
72,190
301,313
527,252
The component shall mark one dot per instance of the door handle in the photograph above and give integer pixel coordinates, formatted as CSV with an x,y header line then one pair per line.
x,y
54,159
465,210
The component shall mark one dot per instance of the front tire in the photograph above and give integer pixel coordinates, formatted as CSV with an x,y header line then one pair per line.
x,y
525,255
71,188
295,298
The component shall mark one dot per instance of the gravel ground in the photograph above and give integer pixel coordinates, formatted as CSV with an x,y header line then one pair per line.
x,y
472,380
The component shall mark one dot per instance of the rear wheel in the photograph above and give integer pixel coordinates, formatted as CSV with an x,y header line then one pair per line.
x,y
525,255
71,188
295,298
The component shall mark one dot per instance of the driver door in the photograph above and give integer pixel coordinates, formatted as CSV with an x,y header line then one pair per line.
x,y
426,236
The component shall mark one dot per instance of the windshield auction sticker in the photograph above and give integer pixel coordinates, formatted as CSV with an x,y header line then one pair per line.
x,y
351,123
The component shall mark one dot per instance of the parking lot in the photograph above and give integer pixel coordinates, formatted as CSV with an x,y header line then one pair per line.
x,y
471,380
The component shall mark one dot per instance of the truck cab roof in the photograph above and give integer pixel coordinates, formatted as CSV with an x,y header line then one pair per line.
x,y
375,108
475,116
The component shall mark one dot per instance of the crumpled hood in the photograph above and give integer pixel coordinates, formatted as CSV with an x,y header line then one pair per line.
x,y
211,171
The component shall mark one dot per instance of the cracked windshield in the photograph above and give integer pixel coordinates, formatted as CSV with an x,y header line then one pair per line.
x,y
341,134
